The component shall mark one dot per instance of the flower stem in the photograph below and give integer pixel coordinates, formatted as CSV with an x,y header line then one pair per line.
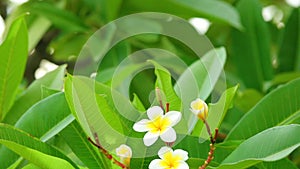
x,y
105,152
212,145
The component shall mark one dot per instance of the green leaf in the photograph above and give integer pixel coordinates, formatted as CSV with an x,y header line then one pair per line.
x,y
164,83
53,80
63,19
212,9
216,113
36,30
68,47
259,147
31,166
84,150
282,78
251,48
53,116
13,58
284,163
136,102
32,149
289,53
199,80
90,103
215,10
276,108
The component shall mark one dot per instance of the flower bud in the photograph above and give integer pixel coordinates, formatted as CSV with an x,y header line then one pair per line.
x,y
199,108
125,154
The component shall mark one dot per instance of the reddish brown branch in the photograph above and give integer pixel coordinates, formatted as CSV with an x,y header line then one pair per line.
x,y
212,148
167,107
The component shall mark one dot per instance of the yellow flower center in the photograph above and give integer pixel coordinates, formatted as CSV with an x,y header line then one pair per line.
x,y
170,161
159,124
123,151
198,105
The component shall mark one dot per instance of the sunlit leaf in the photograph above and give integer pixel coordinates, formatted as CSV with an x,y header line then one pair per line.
x,y
259,147
277,108
32,149
13,56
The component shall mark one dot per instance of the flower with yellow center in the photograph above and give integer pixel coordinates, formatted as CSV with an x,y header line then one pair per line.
x,y
170,159
199,108
158,125
125,153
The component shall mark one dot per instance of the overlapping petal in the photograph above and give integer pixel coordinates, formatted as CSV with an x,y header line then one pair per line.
x,y
170,159
174,116
150,138
169,136
154,112
158,125
141,126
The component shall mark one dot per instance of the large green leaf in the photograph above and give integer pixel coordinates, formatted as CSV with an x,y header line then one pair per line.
x,y
32,149
90,103
13,58
199,80
216,113
84,150
277,108
212,9
289,53
270,145
51,115
251,48
53,80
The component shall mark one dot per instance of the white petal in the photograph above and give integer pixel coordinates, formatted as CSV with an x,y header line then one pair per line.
x,y
183,165
154,112
183,154
141,126
150,138
169,136
196,112
154,164
163,151
174,116
124,151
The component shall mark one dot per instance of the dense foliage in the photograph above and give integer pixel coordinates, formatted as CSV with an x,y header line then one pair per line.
x,y
118,60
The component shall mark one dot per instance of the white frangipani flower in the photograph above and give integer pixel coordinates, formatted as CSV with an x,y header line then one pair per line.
x,y
170,159
158,125
125,153
199,108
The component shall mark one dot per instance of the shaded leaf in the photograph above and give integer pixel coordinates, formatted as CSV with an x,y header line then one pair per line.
x,y
53,80
212,9
251,48
289,53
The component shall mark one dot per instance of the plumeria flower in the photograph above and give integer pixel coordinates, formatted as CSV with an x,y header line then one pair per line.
x,y
158,125
199,108
125,154
170,159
